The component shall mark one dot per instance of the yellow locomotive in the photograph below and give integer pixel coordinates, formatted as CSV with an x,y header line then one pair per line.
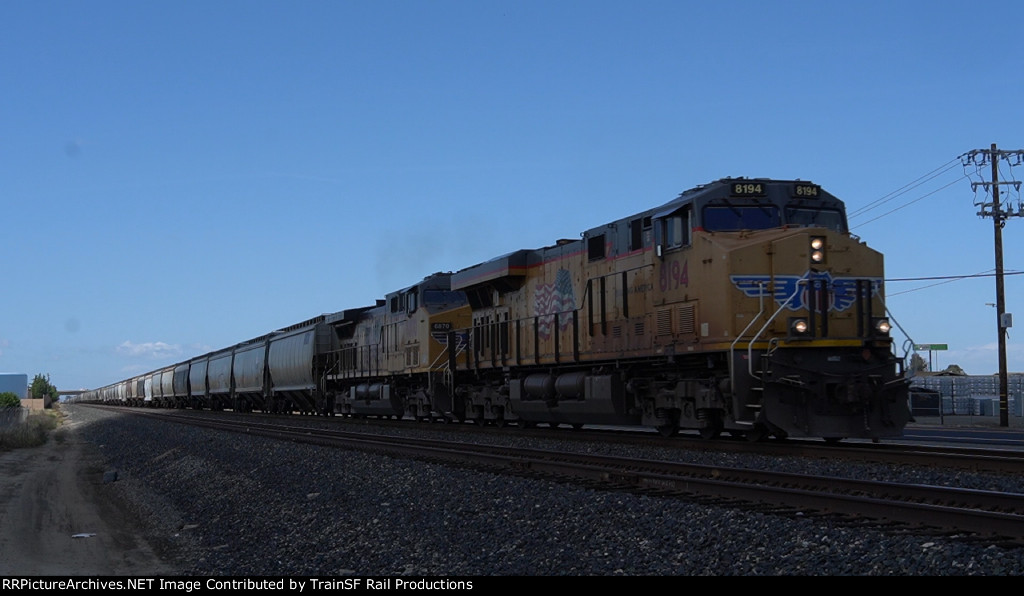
x,y
744,305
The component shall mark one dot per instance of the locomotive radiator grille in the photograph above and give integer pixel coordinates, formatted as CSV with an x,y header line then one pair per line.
x,y
664,322
683,322
687,319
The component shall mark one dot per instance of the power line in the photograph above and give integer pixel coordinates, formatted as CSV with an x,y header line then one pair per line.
x,y
979,158
909,203
906,188
952,277
947,279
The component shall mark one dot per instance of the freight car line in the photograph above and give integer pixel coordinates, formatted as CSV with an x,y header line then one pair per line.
x,y
974,514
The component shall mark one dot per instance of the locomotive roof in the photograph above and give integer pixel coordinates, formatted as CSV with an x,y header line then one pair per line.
x,y
725,191
775,191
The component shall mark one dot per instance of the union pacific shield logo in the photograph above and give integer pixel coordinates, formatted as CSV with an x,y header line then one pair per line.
x,y
841,291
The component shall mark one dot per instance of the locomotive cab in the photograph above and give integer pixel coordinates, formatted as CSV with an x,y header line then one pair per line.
x,y
402,353
795,305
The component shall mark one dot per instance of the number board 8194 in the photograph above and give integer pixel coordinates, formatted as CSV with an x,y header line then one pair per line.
x,y
806,191
748,189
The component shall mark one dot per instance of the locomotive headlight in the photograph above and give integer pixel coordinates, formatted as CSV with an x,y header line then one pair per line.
x,y
882,326
817,249
798,326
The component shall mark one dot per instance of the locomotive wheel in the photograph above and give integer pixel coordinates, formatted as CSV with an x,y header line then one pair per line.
x,y
709,433
757,434
526,424
668,430
712,428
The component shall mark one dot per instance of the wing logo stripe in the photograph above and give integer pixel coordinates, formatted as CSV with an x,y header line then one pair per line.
x,y
842,294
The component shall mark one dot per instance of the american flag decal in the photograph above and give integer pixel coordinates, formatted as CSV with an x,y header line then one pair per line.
x,y
554,298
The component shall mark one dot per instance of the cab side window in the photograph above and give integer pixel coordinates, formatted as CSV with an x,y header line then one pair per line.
x,y
677,229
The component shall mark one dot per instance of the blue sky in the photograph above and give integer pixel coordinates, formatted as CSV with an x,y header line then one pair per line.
x,y
181,176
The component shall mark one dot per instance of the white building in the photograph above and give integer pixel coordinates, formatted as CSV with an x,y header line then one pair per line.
x,y
973,394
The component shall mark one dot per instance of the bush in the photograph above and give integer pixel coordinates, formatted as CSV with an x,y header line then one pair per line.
x,y
33,432
9,400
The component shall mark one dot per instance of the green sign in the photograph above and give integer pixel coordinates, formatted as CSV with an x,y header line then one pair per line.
x,y
931,347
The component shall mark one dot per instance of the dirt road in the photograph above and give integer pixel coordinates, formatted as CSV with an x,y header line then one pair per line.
x,y
57,516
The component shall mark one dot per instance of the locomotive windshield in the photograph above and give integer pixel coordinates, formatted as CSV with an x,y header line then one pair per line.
x,y
821,218
443,297
730,218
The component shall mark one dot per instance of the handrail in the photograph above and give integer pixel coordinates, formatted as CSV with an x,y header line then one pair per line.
x,y
446,370
327,371
750,346
442,353
732,346
908,342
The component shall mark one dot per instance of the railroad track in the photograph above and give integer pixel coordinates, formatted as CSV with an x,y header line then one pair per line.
x,y
1001,461
994,517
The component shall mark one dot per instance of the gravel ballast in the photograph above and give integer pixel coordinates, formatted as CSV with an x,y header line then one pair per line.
x,y
229,504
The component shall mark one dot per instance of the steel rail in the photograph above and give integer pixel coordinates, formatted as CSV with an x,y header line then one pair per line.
x,y
988,515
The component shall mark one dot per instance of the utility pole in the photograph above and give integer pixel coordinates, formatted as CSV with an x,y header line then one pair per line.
x,y
999,215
